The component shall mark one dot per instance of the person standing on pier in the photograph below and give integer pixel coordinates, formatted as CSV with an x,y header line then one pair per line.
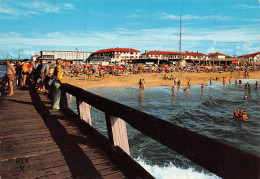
x,y
43,74
10,73
56,85
25,71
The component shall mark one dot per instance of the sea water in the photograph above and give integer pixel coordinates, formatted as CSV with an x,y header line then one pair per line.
x,y
192,110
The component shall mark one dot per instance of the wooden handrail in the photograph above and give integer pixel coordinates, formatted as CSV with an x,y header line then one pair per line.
x,y
2,85
217,157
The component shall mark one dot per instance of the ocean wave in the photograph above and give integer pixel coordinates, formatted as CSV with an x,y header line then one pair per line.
x,y
172,172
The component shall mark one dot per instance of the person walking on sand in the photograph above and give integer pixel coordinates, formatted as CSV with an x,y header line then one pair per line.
x,y
10,73
189,83
175,81
210,81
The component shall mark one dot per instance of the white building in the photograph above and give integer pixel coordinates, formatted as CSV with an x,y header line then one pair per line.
x,y
161,55
253,58
217,55
74,57
114,55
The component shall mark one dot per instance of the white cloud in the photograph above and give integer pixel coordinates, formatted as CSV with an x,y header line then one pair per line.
x,y
246,6
29,52
47,7
199,39
193,17
17,9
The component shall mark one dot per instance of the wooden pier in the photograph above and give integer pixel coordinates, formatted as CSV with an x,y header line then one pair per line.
x,y
39,142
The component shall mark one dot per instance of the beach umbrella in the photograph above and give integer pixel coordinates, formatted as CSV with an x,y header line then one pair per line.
x,y
227,65
103,66
141,66
165,67
89,66
119,68
67,64
203,67
100,69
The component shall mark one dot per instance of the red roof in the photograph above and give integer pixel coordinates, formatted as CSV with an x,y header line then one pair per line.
x,y
194,54
217,54
36,55
250,55
159,53
117,50
227,56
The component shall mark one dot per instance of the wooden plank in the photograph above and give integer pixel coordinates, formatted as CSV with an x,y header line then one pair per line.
x,y
84,111
117,132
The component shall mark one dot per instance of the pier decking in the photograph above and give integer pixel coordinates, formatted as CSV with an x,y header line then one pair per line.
x,y
33,145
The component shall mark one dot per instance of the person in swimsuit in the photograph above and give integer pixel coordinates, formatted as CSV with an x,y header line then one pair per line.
x,y
25,71
10,73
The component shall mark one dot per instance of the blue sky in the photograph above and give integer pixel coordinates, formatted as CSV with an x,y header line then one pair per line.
x,y
227,26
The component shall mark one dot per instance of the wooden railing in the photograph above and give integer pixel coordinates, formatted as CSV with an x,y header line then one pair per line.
x,y
2,85
219,158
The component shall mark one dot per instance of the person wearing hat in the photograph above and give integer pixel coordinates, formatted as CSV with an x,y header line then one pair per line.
x,y
10,73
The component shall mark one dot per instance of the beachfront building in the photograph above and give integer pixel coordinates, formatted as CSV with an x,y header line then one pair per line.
x,y
158,56
171,56
222,59
251,58
114,55
74,57
161,55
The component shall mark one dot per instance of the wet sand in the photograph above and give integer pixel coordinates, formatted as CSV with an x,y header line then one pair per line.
x,y
155,79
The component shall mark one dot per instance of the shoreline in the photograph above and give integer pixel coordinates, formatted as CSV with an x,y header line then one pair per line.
x,y
156,79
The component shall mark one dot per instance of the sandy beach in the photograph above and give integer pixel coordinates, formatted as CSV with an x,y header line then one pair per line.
x,y
156,79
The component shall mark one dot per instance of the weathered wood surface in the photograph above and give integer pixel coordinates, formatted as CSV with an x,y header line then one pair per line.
x,y
117,132
219,158
47,143
84,111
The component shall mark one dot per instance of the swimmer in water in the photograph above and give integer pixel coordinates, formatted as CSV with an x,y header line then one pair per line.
x,y
173,90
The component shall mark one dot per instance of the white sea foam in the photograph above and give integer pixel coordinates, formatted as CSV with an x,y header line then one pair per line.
x,y
172,172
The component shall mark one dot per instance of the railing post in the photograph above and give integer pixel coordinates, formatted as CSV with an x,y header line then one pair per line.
x,y
63,99
117,132
84,111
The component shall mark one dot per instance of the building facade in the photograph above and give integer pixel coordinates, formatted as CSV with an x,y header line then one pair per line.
x,y
114,55
74,57
161,55
251,58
